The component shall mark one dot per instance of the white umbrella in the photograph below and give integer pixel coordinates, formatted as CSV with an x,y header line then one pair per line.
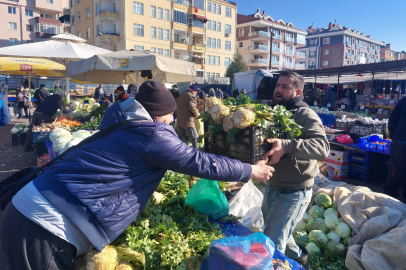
x,y
125,66
68,37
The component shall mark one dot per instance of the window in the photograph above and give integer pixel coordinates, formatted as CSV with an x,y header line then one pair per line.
x,y
160,13
213,60
153,11
29,12
73,20
228,29
228,45
213,7
288,62
136,47
218,61
87,13
11,10
196,22
138,30
166,34
138,8
325,52
97,30
241,32
166,52
30,28
153,50
199,73
12,41
208,58
276,47
289,49
214,26
208,24
289,37
218,26
50,1
226,61
79,34
325,63
97,9
209,42
218,9
213,43
160,51
88,32
209,6
275,60
176,55
312,54
241,44
228,12
179,17
200,4
153,32
78,16
326,40
48,16
218,43
12,26
160,33
166,15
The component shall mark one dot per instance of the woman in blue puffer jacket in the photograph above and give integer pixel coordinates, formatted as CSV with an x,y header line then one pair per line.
x,y
91,195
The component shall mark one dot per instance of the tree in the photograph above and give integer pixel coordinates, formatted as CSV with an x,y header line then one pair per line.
x,y
236,65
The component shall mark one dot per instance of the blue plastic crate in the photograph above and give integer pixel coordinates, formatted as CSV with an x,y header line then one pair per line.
x,y
366,158
368,143
368,173
40,136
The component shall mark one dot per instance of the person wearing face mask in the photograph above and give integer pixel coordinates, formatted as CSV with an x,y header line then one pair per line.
x,y
289,191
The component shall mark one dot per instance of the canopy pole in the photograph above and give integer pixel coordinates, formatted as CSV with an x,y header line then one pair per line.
x,y
315,89
67,91
137,79
29,97
338,86
112,87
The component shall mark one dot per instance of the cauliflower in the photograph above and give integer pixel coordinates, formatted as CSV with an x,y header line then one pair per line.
x,y
123,265
57,133
218,112
228,123
94,107
243,118
107,259
210,102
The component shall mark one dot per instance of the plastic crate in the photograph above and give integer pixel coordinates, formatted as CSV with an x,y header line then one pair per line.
x,y
40,136
366,158
249,145
340,125
42,160
361,130
368,143
368,173
18,139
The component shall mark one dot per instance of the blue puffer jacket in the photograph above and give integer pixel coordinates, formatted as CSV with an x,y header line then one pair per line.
x,y
103,185
5,116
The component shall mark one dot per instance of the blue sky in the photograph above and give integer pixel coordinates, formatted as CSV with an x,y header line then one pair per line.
x,y
384,20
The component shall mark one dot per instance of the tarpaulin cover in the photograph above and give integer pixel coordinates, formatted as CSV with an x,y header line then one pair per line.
x,y
250,80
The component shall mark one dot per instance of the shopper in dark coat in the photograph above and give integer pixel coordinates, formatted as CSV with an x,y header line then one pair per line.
x,y
330,99
236,93
5,116
96,191
201,94
40,94
175,92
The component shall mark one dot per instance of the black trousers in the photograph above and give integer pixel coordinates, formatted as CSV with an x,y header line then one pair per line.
x,y
24,245
397,170
21,106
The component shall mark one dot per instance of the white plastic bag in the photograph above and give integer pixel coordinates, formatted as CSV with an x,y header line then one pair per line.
x,y
247,204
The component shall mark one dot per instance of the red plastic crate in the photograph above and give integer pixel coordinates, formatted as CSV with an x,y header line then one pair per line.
x,y
42,160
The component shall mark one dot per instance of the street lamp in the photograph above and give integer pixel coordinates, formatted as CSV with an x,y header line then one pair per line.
x,y
270,50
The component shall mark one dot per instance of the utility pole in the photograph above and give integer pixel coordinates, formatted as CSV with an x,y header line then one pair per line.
x,y
270,51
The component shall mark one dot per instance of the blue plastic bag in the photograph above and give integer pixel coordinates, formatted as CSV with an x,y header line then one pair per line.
x,y
206,198
251,252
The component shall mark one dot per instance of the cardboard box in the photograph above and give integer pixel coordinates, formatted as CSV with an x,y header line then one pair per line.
x,y
336,171
338,157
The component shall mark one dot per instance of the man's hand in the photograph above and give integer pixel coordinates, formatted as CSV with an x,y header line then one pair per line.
x,y
276,152
261,172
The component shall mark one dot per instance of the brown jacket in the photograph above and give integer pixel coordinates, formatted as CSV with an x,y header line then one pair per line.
x,y
187,110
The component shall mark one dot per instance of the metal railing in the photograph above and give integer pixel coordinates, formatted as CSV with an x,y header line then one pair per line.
x,y
288,64
112,10
312,67
277,36
357,46
348,55
182,2
300,53
259,61
312,44
301,65
369,49
259,47
348,43
288,52
357,57
110,33
275,63
289,39
276,49
301,41
312,56
259,33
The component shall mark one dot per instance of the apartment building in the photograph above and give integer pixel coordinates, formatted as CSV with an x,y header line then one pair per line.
x,y
338,45
198,31
387,54
268,44
25,21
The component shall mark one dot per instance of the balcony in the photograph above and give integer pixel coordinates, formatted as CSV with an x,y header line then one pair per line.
x,y
276,51
312,56
312,66
348,43
288,64
300,65
376,60
182,3
259,35
377,51
108,13
259,49
109,37
275,63
369,49
300,43
181,45
197,47
369,59
300,54
180,26
48,21
289,52
289,40
348,55
357,57
357,46
277,38
262,62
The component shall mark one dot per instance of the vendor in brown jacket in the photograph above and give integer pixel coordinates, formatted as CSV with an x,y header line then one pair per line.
x,y
186,113
289,191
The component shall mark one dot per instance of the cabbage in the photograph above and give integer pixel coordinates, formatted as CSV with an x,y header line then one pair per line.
x,y
305,217
301,225
330,211
94,107
331,221
317,224
81,134
14,130
343,230
333,236
336,247
323,200
312,249
316,211
57,133
92,101
69,144
318,237
60,143
300,237
346,241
